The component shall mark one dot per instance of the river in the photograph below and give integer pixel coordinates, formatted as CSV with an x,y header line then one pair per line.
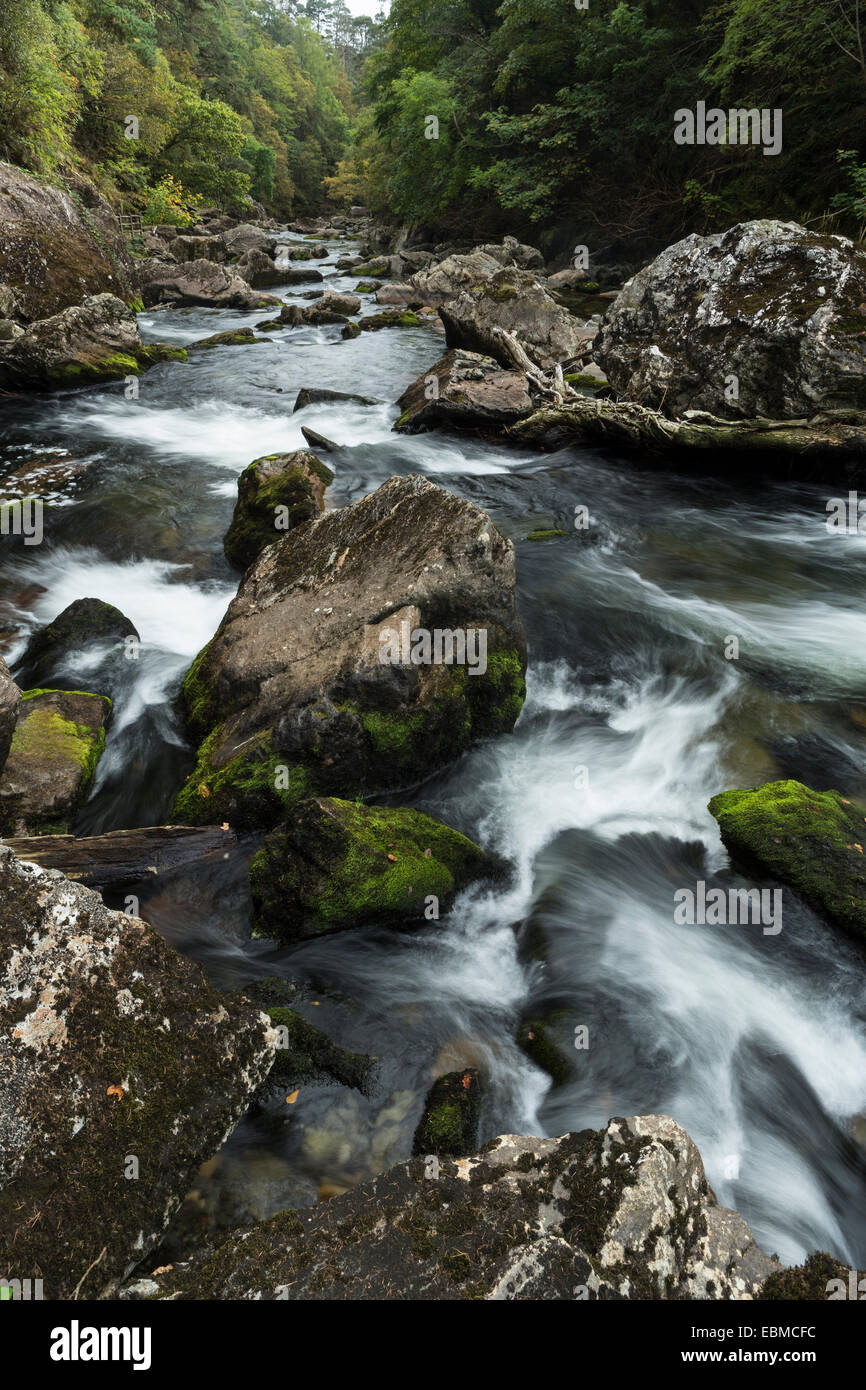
x,y
635,717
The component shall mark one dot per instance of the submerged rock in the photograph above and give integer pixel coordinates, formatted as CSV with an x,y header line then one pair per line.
x,y
334,864
295,676
55,650
58,740
275,493
452,1114
516,302
814,841
464,390
121,1070
623,1212
766,319
305,1054
317,395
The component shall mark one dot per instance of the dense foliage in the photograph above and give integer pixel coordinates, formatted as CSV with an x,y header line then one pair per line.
x,y
230,98
557,122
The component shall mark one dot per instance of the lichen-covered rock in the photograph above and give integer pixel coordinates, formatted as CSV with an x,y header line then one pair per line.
x,y
440,282
53,651
464,390
766,319
334,864
258,268
10,698
516,302
94,341
58,245
620,1213
275,493
199,282
58,740
121,1070
451,1118
815,841
248,237
197,248
295,678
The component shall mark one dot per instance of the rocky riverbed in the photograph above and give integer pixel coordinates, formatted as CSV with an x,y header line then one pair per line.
x,y
354,909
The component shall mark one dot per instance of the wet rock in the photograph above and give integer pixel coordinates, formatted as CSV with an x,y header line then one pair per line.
x,y
324,706
53,653
449,1126
344,304
121,1070
351,330
299,275
464,390
397,294
58,740
10,697
318,316
58,249
335,864
247,237
258,268
766,319
391,318
514,300
199,282
275,493
305,1054
94,341
452,275
234,337
316,395
623,1212
814,841
197,248
318,441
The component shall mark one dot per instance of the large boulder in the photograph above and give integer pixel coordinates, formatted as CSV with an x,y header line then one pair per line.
x,y
58,245
10,697
186,248
247,237
304,671
94,341
258,268
516,302
121,1071
514,252
450,276
465,390
58,740
812,840
336,863
54,652
766,319
275,493
620,1213
198,282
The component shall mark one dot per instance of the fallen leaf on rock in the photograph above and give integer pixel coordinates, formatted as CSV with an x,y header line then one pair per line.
x,y
290,1100
393,858
115,1091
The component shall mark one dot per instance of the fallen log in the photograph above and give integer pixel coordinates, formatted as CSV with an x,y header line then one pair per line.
x,y
123,856
626,424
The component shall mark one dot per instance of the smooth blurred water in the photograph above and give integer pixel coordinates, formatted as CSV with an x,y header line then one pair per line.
x,y
634,719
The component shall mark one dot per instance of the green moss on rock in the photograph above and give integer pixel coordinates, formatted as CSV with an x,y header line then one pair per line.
x,y
450,1122
296,489
247,791
336,863
814,841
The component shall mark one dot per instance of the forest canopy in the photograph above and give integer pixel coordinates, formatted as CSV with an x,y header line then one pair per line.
x,y
544,118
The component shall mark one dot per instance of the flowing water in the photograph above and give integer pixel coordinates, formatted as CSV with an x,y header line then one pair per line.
x,y
635,717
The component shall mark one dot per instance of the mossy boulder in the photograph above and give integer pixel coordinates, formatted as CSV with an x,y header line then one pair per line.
x,y
234,337
814,841
334,864
52,653
515,302
810,1282
58,740
275,493
449,1126
327,707
472,392
121,1071
10,698
90,342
